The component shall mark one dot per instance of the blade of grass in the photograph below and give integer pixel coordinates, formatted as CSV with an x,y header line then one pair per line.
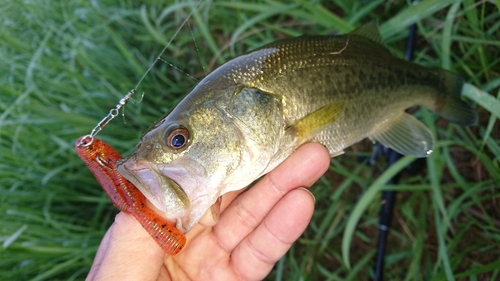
x,y
411,15
479,270
322,16
447,30
365,200
270,12
441,229
482,98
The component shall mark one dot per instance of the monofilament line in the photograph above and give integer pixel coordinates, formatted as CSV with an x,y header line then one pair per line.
x,y
197,49
178,69
168,44
121,104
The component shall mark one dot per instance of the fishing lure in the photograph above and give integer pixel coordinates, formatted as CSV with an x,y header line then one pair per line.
x,y
101,159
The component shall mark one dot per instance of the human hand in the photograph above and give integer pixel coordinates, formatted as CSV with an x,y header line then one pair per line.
x,y
254,231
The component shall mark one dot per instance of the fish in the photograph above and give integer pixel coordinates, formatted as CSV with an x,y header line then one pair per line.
x,y
248,115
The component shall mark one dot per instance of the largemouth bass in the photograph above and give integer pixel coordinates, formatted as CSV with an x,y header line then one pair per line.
x,y
251,113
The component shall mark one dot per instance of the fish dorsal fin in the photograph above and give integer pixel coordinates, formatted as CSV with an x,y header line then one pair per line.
x,y
370,31
315,120
407,136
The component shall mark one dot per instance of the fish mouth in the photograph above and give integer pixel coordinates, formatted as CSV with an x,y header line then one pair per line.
x,y
174,189
162,191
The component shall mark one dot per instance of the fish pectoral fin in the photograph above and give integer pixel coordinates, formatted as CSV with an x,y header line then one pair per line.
x,y
407,136
335,154
315,120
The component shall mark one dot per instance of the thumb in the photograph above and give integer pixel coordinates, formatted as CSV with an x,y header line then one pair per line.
x,y
127,252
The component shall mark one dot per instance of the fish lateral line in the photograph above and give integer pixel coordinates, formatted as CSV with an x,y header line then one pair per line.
x,y
101,160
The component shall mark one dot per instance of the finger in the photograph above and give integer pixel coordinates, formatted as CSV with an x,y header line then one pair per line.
x,y
211,216
129,253
301,169
99,257
254,258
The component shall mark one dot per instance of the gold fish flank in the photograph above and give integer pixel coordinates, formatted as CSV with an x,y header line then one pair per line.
x,y
305,66
251,113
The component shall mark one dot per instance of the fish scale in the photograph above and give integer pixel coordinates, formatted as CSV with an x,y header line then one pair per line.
x,y
251,113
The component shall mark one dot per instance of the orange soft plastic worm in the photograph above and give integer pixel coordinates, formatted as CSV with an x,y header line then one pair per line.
x,y
101,159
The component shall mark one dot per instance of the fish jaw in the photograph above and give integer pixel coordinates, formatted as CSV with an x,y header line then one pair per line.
x,y
173,189
183,191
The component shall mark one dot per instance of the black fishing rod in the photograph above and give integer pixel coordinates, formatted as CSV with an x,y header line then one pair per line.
x,y
388,197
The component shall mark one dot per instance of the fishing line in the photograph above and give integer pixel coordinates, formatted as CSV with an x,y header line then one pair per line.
x,y
169,42
114,112
197,49
178,69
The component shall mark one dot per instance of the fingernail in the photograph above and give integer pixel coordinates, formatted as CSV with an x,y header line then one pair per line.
x,y
308,191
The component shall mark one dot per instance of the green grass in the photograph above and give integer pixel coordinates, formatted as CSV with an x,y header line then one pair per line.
x,y
65,65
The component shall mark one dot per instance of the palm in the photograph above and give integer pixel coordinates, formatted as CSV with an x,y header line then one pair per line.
x,y
202,258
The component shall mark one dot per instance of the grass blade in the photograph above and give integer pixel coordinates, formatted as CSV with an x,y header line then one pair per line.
x,y
364,201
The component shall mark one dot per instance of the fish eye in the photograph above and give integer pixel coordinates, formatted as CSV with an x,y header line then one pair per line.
x,y
177,137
